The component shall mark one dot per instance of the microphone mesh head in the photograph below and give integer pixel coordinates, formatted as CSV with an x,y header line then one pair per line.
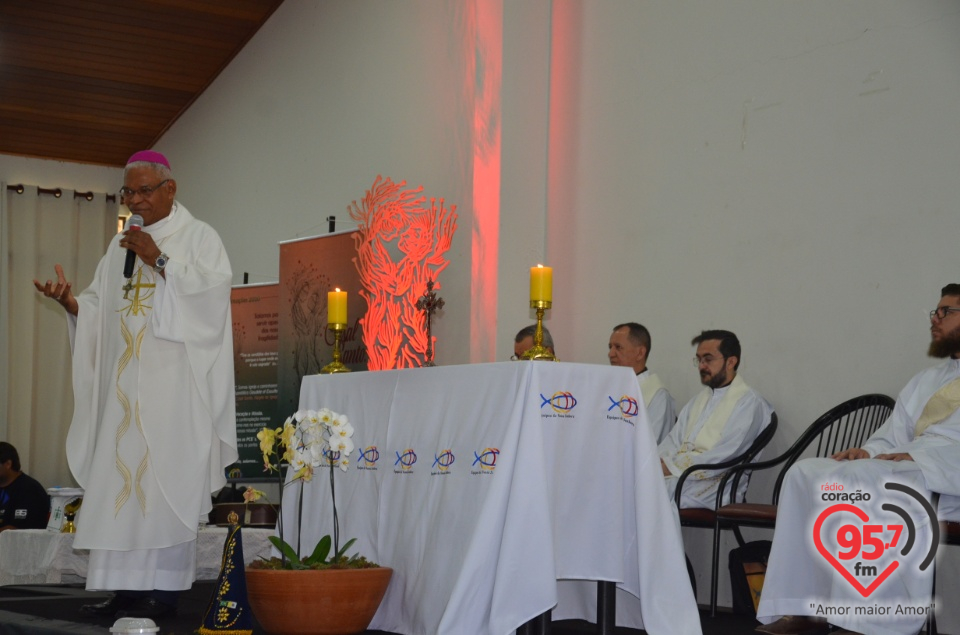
x,y
135,220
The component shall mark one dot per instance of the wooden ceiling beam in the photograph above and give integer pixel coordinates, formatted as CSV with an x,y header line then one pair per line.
x,y
95,80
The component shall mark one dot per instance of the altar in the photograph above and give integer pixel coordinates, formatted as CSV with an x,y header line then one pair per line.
x,y
496,491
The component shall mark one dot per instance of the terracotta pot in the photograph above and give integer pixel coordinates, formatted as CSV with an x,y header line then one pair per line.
x,y
327,602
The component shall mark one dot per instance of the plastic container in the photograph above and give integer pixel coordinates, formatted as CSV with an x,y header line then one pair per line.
x,y
59,497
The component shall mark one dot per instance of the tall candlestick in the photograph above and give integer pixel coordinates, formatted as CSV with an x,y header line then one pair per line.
x,y
337,307
541,298
541,284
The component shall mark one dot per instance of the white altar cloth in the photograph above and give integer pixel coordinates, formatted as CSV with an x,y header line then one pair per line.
x,y
494,490
38,556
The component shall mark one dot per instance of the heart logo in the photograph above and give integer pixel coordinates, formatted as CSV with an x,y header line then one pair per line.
x,y
862,515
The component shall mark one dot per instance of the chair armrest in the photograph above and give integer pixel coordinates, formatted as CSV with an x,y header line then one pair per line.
x,y
737,470
723,465
763,438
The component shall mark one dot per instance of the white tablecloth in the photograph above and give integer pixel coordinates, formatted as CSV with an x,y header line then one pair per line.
x,y
38,556
494,490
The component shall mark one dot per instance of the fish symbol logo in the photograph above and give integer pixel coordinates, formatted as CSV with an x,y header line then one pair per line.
x,y
406,459
333,458
487,458
628,405
369,456
443,460
560,401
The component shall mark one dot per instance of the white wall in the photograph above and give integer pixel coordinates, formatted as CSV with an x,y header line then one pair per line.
x,y
783,170
324,98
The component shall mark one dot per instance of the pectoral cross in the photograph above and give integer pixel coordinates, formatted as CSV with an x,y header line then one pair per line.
x,y
143,291
429,303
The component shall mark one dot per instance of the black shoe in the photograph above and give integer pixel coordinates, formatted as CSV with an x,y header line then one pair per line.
x,y
108,608
148,607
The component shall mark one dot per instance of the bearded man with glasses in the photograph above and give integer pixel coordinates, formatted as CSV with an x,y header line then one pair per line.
x,y
153,425
917,446
722,421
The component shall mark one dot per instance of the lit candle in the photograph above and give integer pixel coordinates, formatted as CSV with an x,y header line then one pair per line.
x,y
337,307
541,284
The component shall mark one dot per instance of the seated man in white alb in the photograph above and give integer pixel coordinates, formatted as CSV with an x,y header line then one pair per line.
x,y
918,447
717,424
629,346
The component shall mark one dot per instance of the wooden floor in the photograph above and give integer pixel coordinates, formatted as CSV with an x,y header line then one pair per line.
x,y
54,610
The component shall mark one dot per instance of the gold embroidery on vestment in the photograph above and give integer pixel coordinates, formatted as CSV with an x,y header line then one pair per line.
x,y
140,335
144,289
124,492
142,469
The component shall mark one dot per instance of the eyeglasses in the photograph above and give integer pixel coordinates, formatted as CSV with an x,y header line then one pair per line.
x,y
941,312
144,192
706,359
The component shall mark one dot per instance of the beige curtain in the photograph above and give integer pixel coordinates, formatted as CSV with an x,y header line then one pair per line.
x,y
37,231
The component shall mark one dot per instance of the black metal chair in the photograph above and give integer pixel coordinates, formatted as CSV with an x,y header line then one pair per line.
x,y
847,425
706,518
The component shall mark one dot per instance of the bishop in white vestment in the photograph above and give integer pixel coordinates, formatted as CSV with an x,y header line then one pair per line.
x,y
154,425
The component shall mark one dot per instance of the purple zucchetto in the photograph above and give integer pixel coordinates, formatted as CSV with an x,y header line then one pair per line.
x,y
150,157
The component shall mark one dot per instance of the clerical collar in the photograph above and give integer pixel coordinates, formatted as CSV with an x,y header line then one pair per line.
x,y
643,372
164,221
721,389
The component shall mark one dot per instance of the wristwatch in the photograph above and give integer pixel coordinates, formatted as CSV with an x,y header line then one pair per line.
x,y
161,262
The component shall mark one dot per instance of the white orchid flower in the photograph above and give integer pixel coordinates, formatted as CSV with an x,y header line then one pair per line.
x,y
342,431
343,445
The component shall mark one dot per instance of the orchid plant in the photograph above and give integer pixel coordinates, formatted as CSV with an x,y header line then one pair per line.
x,y
309,440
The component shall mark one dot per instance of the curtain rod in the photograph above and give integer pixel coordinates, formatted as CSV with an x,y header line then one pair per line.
x,y
58,192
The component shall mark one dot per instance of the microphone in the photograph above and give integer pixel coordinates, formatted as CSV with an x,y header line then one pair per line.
x,y
134,223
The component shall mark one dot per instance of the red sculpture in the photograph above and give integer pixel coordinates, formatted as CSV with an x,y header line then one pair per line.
x,y
400,244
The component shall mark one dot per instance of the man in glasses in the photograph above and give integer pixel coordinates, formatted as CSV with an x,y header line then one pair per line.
x,y
629,346
879,587
717,424
153,425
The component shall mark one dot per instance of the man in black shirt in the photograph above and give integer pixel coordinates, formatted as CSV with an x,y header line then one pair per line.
x,y
24,503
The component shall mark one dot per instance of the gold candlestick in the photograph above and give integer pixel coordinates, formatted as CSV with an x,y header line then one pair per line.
x,y
336,366
538,352
69,513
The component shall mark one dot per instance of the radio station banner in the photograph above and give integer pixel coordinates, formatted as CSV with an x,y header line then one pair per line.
x,y
256,328
309,269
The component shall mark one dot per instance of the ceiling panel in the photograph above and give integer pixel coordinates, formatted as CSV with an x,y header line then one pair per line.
x,y
93,81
